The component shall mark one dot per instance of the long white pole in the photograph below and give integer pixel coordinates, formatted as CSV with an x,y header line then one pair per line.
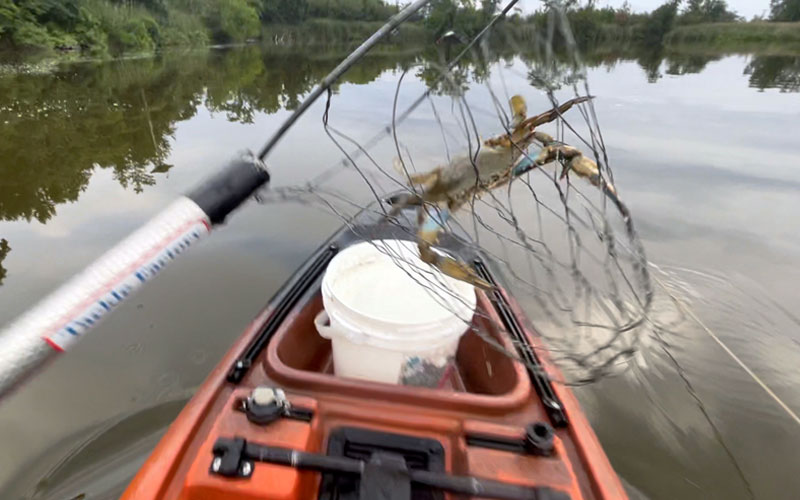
x,y
57,322
61,319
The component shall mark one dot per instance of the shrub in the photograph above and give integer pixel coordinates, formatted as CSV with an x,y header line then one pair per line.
x,y
354,10
184,29
90,34
127,29
31,35
660,22
284,11
139,34
232,20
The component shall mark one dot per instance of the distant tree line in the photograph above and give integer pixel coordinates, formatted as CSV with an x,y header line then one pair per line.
x,y
144,25
785,10
591,24
463,17
297,11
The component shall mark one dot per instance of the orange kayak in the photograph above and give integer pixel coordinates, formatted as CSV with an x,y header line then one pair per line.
x,y
273,422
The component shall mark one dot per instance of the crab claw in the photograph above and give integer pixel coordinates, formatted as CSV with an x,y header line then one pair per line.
x,y
452,267
462,272
519,110
431,224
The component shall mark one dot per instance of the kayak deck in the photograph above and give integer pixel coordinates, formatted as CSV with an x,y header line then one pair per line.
x,y
493,422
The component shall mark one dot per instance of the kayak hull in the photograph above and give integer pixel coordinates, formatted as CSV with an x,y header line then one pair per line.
x,y
487,400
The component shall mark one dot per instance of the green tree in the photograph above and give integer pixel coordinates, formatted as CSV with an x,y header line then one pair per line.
x,y
8,15
460,16
660,22
707,11
232,20
23,22
622,16
284,11
352,10
440,16
785,10
488,8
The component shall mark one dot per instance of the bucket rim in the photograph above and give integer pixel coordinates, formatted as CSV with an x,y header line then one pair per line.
x,y
463,299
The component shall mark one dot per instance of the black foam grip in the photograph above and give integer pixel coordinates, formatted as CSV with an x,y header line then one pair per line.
x,y
222,193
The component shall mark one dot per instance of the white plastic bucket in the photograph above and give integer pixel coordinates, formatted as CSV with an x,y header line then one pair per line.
x,y
391,317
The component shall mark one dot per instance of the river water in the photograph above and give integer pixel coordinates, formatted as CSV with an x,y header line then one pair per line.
x,y
705,148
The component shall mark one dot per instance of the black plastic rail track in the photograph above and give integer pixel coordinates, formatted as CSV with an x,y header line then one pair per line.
x,y
536,371
385,476
286,299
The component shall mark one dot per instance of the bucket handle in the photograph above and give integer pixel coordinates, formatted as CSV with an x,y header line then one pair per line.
x,y
327,331
323,324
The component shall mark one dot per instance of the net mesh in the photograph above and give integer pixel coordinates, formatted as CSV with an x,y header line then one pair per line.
x,y
460,157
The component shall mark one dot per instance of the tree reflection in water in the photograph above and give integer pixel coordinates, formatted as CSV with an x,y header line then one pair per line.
x,y
4,250
774,72
59,127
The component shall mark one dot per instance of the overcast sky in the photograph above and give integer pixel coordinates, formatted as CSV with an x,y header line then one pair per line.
x,y
746,8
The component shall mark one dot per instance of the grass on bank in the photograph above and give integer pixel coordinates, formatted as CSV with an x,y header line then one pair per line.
x,y
112,27
319,31
733,33
752,38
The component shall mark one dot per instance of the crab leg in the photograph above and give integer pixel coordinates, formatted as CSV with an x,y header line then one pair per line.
x,y
430,225
572,160
548,116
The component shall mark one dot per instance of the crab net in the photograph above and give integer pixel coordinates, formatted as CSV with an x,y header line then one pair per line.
x,y
558,232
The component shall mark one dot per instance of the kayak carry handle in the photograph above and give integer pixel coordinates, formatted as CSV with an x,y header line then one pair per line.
x,y
60,319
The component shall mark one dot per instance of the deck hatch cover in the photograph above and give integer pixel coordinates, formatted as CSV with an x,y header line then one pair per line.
x,y
360,444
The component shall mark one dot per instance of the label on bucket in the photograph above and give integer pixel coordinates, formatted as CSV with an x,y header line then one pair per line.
x,y
421,372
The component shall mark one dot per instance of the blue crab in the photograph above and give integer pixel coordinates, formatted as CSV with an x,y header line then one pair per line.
x,y
442,191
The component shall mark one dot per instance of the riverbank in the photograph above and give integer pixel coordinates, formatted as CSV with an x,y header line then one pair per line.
x,y
762,37
102,30
105,28
732,37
